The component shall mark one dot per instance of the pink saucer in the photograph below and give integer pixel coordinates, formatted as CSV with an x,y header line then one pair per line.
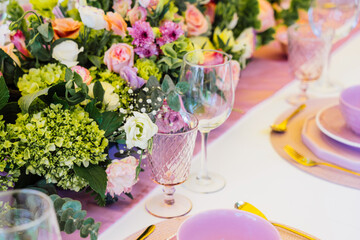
x,y
332,123
328,149
227,224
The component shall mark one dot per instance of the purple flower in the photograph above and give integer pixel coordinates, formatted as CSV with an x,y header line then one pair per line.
x,y
146,51
169,121
170,32
142,33
130,75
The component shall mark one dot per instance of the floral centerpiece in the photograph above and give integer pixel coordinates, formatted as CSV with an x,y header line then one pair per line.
x,y
78,76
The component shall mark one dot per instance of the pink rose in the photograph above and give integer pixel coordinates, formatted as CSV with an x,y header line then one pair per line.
x,y
235,69
121,175
116,23
195,21
18,39
210,11
136,14
266,15
122,6
84,74
213,58
119,56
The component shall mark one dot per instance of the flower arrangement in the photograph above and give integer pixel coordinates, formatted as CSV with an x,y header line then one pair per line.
x,y
80,75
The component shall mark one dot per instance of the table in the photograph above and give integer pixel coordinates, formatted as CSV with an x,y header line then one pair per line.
x,y
256,174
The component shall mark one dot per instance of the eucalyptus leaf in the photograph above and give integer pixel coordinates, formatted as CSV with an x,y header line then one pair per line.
x,y
167,85
173,101
182,87
152,82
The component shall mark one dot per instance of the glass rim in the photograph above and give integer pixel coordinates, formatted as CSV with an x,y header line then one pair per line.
x,y
211,65
195,128
35,222
308,38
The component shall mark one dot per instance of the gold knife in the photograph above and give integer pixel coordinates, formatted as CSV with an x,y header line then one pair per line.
x,y
147,232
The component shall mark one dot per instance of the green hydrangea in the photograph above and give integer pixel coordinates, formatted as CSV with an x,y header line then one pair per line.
x,y
121,86
147,68
52,141
9,172
41,78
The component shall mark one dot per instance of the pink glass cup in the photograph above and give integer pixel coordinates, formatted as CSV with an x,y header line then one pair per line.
x,y
169,163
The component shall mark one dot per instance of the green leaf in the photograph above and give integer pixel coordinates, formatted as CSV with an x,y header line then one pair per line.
x,y
95,176
68,74
173,101
70,226
46,31
4,93
167,85
169,51
25,101
10,111
95,60
99,91
111,121
152,82
75,205
94,113
182,87
66,213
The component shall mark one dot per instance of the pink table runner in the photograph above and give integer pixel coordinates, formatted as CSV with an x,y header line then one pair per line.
x,y
264,76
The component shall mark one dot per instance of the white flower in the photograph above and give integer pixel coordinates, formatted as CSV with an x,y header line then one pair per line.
x,y
92,17
233,22
67,52
4,33
139,130
111,99
246,42
144,3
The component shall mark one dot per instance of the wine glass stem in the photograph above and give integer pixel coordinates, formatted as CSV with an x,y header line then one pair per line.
x,y
203,174
169,195
325,75
304,86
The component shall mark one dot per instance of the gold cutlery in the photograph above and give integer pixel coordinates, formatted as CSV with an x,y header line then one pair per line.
x,y
245,206
281,127
147,232
310,163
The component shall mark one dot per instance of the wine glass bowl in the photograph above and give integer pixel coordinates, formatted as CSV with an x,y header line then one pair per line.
x,y
169,164
210,98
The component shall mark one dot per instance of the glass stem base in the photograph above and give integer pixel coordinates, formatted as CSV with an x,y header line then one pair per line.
x,y
206,184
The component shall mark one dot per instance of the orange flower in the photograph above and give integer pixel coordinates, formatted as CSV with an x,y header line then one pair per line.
x,y
116,23
66,28
9,49
195,21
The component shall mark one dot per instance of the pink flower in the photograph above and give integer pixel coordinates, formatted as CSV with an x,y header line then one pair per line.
x,y
121,175
84,74
266,15
195,21
116,23
136,14
122,6
170,32
119,56
130,75
147,50
169,121
18,39
210,11
235,69
212,58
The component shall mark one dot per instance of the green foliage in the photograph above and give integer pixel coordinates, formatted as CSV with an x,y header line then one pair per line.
x,y
105,5
147,68
13,12
291,15
265,37
95,176
71,217
247,11
4,93
155,17
10,70
173,92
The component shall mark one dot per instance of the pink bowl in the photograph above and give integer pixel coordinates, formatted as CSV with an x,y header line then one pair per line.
x,y
227,224
350,107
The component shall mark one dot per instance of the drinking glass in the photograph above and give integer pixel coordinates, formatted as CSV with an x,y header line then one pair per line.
x,y
306,57
338,16
169,163
210,98
27,214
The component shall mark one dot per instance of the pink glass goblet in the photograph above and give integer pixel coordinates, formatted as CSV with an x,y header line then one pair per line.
x,y
169,163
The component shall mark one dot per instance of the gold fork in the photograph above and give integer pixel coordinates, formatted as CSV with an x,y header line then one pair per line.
x,y
310,163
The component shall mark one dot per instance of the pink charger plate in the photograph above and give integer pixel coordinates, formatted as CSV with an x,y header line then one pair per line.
x,y
227,224
328,149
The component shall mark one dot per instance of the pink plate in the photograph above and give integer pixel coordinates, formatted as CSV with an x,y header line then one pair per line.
x,y
332,123
328,149
227,224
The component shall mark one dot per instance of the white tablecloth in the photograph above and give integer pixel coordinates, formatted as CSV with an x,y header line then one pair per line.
x,y
256,174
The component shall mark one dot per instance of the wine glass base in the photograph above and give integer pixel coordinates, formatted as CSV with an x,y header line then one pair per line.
x,y
323,89
213,183
297,99
158,208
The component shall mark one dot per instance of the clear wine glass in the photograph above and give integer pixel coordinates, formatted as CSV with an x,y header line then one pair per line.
x,y
210,99
27,214
306,56
340,17
170,163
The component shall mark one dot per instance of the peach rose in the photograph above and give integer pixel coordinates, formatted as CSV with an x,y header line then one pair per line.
x,y
121,175
122,6
136,14
66,28
116,23
266,15
213,58
195,21
9,49
119,56
84,73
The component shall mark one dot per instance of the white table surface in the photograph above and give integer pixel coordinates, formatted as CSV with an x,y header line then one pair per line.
x,y
255,173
